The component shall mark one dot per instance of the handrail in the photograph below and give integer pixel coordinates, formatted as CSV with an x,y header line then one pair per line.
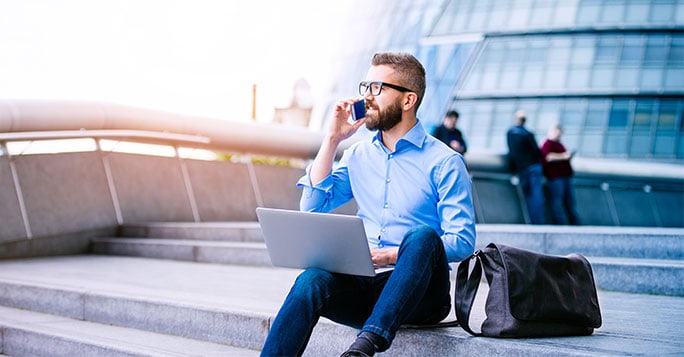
x,y
224,135
119,134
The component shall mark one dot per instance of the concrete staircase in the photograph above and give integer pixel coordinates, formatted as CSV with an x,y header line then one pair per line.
x,y
214,293
637,260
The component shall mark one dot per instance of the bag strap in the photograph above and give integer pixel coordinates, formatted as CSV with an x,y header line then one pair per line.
x,y
466,290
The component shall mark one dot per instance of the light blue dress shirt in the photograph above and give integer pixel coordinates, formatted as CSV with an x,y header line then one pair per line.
x,y
423,182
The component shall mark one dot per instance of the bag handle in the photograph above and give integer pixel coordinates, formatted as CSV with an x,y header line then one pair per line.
x,y
466,290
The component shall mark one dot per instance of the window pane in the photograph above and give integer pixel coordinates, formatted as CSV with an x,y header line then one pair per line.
x,y
664,145
490,77
572,116
559,51
612,12
597,114
578,78
676,50
637,12
615,143
619,115
607,50
602,76
591,144
667,116
532,78
584,51
632,48
674,78
541,13
473,80
662,11
640,145
565,12
588,12
510,77
548,115
651,79
503,115
555,78
656,51
627,78
642,115
520,14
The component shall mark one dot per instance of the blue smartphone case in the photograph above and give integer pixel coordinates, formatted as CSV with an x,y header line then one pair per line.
x,y
359,110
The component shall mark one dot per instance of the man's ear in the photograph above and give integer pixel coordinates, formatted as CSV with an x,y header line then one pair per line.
x,y
410,100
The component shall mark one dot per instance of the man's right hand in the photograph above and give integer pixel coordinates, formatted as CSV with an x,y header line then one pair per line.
x,y
341,128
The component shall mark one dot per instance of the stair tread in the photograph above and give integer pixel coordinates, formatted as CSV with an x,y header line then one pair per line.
x,y
233,290
174,241
121,339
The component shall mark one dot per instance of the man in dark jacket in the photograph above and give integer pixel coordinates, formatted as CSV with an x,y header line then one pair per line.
x,y
449,134
524,158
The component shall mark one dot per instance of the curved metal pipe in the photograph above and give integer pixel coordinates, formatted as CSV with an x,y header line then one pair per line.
x,y
234,136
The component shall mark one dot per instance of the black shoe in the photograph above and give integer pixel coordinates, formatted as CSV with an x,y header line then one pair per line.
x,y
350,353
366,344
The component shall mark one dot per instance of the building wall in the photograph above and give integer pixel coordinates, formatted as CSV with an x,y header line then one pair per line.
x,y
610,72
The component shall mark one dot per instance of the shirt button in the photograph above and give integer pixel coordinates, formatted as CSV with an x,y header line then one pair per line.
x,y
388,180
386,205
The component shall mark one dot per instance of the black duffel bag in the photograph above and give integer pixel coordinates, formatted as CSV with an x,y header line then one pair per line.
x,y
530,294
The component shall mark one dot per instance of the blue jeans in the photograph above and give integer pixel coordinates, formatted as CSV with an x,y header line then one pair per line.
x,y
415,292
531,181
562,201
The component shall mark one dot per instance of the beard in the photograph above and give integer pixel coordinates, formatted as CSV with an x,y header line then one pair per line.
x,y
384,119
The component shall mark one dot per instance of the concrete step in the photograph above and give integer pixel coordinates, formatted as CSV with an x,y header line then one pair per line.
x,y
28,333
222,252
233,305
221,231
629,242
645,276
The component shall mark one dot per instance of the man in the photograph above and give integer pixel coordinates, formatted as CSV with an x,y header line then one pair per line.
x,y
414,196
449,134
524,159
558,172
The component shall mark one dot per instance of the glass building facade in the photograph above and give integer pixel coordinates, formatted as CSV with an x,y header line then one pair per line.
x,y
610,72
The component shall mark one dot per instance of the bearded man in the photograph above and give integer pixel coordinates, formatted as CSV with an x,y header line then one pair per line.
x,y
414,196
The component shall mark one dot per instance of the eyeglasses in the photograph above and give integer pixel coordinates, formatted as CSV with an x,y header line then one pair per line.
x,y
376,87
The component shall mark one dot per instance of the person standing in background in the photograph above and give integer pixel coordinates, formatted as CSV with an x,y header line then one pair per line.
x,y
558,173
524,158
449,134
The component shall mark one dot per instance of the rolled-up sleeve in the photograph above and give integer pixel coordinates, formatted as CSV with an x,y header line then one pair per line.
x,y
455,209
331,193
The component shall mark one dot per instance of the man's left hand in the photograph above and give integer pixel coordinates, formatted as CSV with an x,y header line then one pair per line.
x,y
384,257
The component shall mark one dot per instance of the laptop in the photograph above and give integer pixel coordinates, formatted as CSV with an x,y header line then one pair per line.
x,y
332,242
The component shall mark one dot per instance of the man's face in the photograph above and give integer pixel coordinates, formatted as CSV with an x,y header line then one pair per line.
x,y
450,122
384,111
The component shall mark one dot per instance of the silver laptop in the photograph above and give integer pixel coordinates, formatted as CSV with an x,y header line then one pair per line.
x,y
332,242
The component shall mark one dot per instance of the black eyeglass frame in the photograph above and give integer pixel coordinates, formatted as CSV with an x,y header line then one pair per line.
x,y
381,84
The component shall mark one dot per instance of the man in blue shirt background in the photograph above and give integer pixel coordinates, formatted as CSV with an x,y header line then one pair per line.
x,y
414,195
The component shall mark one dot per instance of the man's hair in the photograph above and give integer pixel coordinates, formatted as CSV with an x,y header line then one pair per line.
x,y
409,70
452,113
520,117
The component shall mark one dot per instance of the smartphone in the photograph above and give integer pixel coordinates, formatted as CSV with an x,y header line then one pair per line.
x,y
359,110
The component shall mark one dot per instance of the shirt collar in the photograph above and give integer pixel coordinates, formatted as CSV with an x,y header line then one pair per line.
x,y
415,136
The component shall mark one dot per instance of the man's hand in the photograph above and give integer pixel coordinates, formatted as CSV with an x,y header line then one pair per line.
x,y
384,257
340,128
